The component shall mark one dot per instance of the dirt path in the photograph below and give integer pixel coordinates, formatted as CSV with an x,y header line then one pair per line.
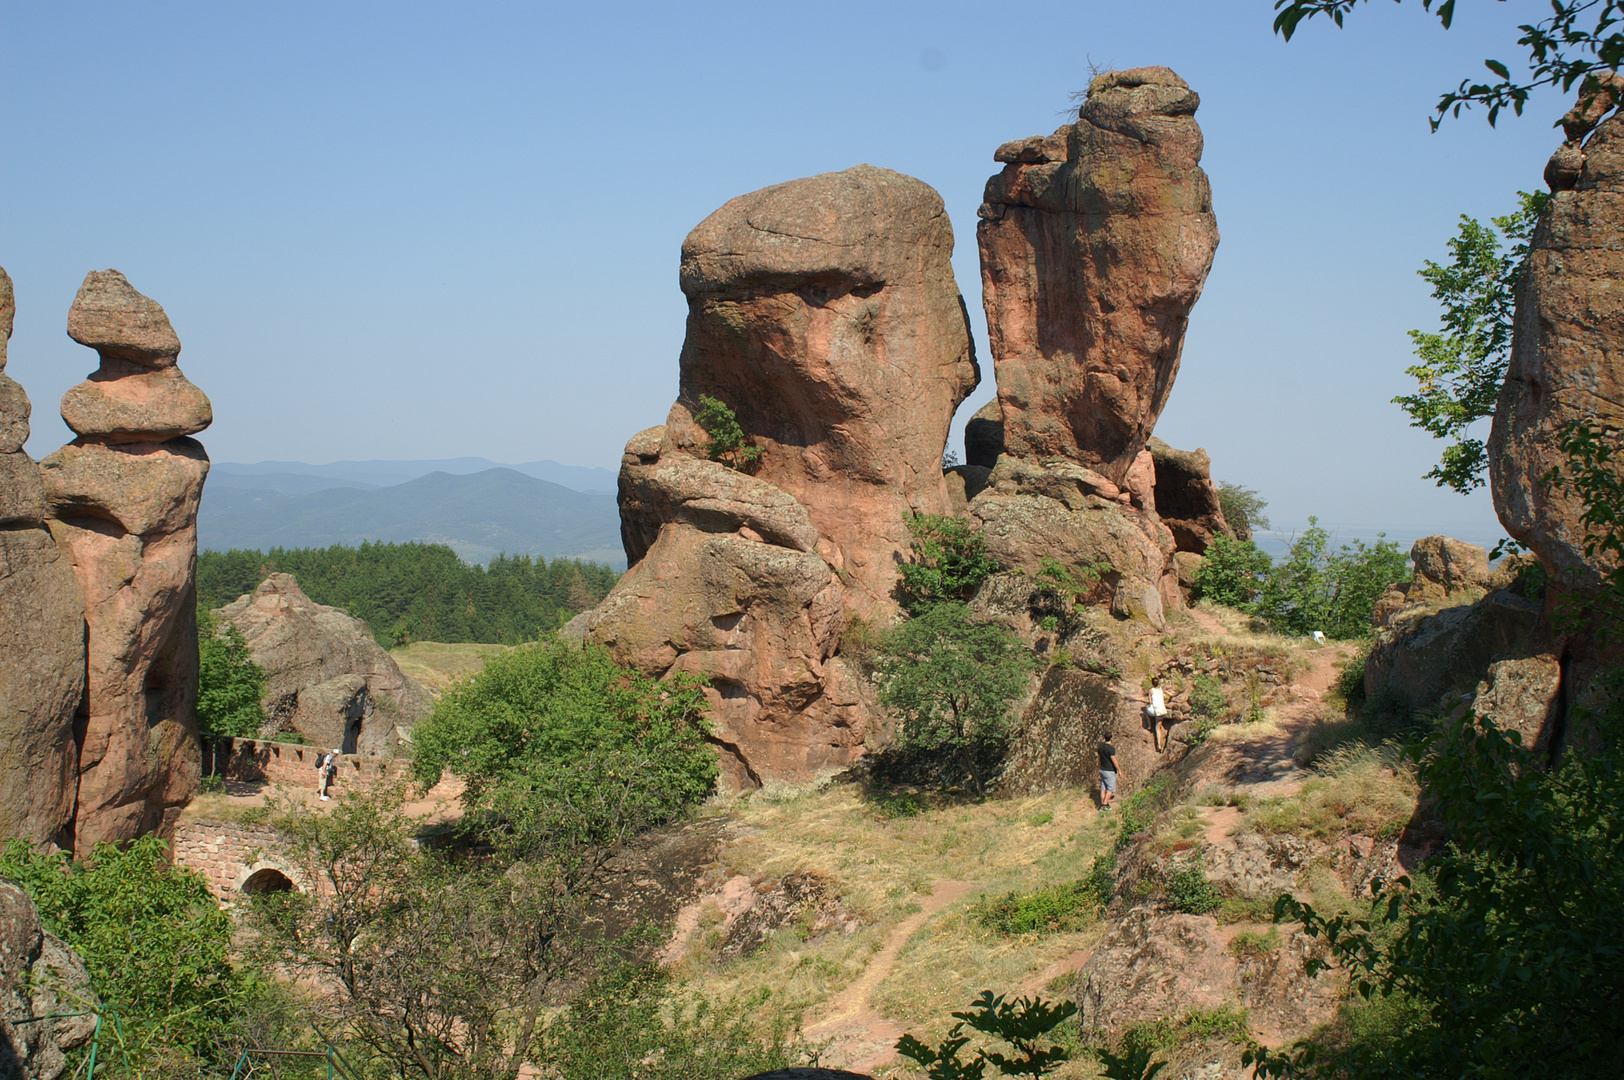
x,y
858,1037
1261,762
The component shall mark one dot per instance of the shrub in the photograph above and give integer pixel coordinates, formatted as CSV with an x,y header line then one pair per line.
x,y
229,683
1101,879
1316,588
1053,910
1207,697
727,438
950,561
1138,810
1232,573
557,718
1188,890
952,682
1018,1024
902,804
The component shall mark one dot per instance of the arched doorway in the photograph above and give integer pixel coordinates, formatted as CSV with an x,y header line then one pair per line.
x,y
267,879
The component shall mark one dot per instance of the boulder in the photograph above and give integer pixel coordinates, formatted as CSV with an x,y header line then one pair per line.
x,y
47,1005
42,635
1186,498
1425,659
824,312
1443,571
1095,243
122,501
326,677
984,436
1523,694
1070,715
1567,357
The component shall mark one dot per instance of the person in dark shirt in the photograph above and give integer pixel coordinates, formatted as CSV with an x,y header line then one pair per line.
x,y
1108,773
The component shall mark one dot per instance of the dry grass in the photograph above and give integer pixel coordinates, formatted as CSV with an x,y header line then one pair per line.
x,y
435,665
883,870
1357,789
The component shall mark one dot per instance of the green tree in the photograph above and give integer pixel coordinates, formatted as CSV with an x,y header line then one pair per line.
x,y
553,713
950,561
1244,509
1316,588
952,682
1580,44
1233,573
229,683
1462,368
155,943
728,443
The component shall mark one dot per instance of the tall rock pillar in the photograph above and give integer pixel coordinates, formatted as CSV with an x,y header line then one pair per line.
x,y
42,635
123,501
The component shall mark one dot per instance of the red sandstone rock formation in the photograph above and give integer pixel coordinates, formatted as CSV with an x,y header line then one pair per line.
x,y
326,677
1567,356
825,314
1095,242
123,501
42,643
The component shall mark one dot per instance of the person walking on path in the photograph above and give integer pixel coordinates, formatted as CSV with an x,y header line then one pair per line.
x,y
1108,773
1156,711
326,766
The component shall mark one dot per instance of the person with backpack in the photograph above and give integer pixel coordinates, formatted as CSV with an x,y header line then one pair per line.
x,y
326,767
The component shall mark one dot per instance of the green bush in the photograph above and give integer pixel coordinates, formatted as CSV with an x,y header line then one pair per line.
x,y
556,719
1207,697
1101,879
1188,890
1232,573
1138,810
634,1023
229,683
156,945
902,804
950,562
1316,588
1054,910
727,438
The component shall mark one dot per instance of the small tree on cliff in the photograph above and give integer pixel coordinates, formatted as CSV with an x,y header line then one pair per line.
x,y
952,682
950,561
727,439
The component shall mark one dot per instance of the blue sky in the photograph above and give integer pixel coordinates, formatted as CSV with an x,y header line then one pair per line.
x,y
432,230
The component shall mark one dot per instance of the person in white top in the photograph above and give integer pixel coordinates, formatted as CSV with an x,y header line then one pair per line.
x,y
1157,712
326,766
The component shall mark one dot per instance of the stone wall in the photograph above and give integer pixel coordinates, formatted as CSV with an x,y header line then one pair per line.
x,y
234,854
294,764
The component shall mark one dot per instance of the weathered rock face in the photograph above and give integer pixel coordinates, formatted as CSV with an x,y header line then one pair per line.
x,y
1186,497
824,312
1424,660
1443,570
122,499
326,677
40,979
1095,243
1567,355
42,636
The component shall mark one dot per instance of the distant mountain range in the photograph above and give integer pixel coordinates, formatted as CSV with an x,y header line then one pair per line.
x,y
473,506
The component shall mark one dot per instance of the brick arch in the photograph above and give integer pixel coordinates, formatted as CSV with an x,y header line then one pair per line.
x,y
267,875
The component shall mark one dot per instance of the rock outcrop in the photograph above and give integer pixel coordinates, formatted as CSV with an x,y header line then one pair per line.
x,y
1567,354
42,634
824,313
326,677
41,979
1095,243
122,501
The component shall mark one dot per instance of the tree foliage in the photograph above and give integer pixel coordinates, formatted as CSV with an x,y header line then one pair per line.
x,y
950,561
1244,509
1462,367
1316,588
1232,573
229,683
559,721
728,443
952,682
419,592
1022,1025
156,945
1579,44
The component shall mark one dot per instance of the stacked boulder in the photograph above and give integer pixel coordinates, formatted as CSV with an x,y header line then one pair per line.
x,y
824,313
122,499
1095,242
42,641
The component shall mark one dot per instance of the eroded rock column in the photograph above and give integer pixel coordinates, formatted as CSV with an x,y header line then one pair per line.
x,y
42,634
824,313
123,501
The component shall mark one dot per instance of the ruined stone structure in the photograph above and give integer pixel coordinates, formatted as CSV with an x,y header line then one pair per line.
x,y
236,858
122,501
42,638
825,314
